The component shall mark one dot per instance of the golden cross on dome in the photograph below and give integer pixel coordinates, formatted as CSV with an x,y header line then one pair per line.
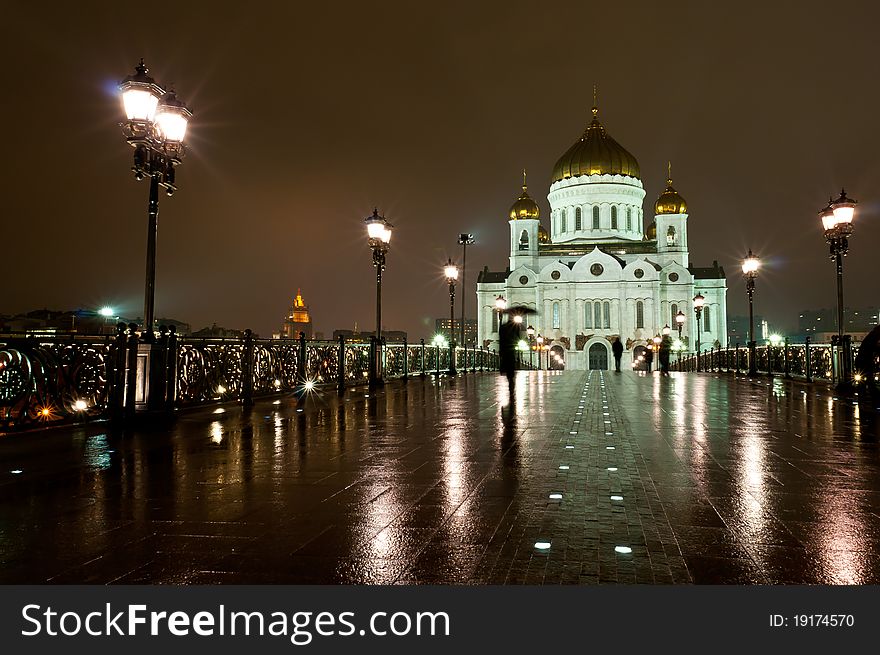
x,y
525,186
669,173
595,99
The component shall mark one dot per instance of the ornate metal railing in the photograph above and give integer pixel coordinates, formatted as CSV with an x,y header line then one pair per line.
x,y
75,378
48,379
812,362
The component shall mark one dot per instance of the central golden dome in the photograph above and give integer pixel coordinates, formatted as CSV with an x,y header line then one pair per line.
x,y
595,153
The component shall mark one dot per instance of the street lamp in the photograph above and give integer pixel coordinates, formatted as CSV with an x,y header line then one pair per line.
x,y
837,221
657,341
699,301
451,272
540,341
750,267
680,318
155,127
378,238
464,240
530,331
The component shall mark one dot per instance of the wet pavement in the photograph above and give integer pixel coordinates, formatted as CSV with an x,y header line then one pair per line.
x,y
591,477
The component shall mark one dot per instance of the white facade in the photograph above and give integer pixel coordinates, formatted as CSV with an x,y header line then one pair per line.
x,y
599,275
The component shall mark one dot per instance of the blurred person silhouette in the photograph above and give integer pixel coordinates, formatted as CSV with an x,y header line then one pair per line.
x,y
665,351
617,351
509,335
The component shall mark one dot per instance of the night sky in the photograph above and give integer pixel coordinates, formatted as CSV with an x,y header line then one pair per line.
x,y
309,114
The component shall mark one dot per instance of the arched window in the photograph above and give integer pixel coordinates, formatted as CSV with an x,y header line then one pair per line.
x,y
670,236
606,312
707,319
640,314
524,240
673,323
563,221
597,315
595,217
577,218
629,219
556,316
588,314
614,218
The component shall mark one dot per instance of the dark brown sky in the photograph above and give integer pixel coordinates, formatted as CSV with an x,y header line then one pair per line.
x,y
308,114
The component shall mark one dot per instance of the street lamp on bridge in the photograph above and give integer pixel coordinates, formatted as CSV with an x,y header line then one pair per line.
x,y
530,332
464,240
837,221
680,318
699,301
539,340
155,126
750,267
451,272
379,240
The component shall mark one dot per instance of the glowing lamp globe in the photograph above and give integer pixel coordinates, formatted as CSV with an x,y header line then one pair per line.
x,y
699,301
172,117
750,264
140,95
451,271
680,318
843,208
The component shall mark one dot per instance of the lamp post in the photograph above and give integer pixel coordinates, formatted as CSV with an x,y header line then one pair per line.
x,y
451,272
539,340
699,301
657,341
750,267
155,127
379,239
464,240
837,221
680,318
530,331
500,306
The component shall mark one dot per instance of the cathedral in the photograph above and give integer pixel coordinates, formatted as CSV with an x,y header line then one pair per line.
x,y
600,273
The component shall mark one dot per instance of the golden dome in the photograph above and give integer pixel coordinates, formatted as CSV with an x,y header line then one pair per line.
x,y
543,235
651,232
524,207
669,201
595,153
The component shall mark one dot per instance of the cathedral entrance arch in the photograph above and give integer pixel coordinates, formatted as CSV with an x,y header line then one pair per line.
x,y
557,359
598,357
637,351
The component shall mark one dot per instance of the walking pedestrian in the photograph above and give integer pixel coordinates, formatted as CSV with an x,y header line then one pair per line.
x,y
509,335
617,350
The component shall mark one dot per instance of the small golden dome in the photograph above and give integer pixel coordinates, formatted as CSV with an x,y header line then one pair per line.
x,y
651,232
543,235
595,153
670,202
524,207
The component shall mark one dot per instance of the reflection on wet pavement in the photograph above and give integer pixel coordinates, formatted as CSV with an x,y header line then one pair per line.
x,y
589,477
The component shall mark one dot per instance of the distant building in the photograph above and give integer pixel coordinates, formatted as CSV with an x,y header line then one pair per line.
x,y
738,330
217,332
441,326
297,320
80,321
821,324
356,336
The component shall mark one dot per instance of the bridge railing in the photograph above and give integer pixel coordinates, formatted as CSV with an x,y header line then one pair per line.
x,y
811,362
71,378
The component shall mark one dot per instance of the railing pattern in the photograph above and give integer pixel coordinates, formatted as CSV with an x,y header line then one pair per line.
x,y
807,361
46,379
57,379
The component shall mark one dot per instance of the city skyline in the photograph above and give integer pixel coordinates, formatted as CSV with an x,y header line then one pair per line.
x,y
280,177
